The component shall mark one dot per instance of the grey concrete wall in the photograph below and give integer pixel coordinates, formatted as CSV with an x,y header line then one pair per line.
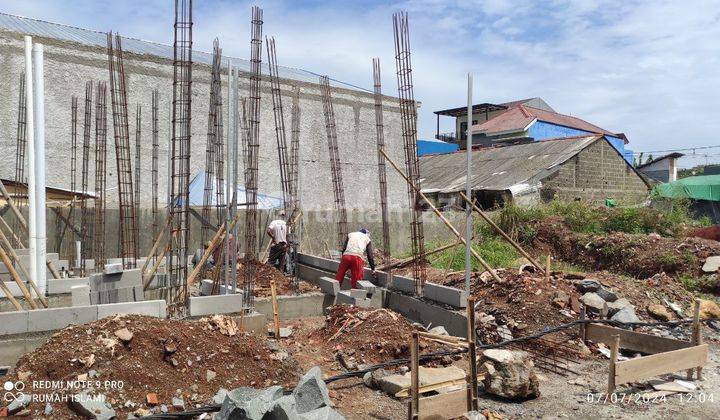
x,y
69,65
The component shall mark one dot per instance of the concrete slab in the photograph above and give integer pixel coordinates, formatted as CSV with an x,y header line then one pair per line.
x,y
445,294
80,295
113,268
218,304
367,286
154,308
59,318
252,322
329,285
344,298
60,286
13,322
293,307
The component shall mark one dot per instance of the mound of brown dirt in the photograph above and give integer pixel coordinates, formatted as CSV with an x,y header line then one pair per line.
x,y
368,335
162,356
264,274
638,255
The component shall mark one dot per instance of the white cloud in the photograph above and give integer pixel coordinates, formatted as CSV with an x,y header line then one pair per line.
x,y
646,68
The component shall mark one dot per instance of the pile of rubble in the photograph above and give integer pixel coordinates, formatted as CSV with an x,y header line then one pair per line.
x,y
364,336
137,364
265,273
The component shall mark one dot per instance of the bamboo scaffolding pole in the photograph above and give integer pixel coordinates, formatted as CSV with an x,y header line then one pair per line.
x,y
16,277
502,233
444,220
10,297
156,244
24,270
406,261
276,315
14,236
151,275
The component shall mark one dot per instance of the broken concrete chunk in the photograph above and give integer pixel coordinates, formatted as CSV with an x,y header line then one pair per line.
x,y
625,315
659,312
587,286
248,403
510,374
607,295
92,406
709,309
560,299
19,403
283,409
124,334
439,330
178,403
219,396
615,307
285,332
324,413
311,392
210,375
594,303
712,264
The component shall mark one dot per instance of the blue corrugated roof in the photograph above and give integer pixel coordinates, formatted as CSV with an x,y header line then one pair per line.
x,y
36,27
197,194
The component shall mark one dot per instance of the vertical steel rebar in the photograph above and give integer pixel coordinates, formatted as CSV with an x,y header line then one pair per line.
x,y
295,150
382,173
21,137
86,241
136,190
283,159
211,144
62,226
253,146
154,167
408,119
334,155
100,175
182,97
126,198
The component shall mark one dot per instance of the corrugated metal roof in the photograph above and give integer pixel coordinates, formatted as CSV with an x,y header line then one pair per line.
x,y
35,27
518,117
503,168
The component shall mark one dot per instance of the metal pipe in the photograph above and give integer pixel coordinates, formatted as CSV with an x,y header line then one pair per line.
x,y
39,128
32,204
468,187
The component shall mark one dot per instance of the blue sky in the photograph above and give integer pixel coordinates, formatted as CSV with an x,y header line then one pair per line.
x,y
646,68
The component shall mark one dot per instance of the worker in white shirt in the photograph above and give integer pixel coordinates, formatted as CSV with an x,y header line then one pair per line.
x,y
277,231
356,244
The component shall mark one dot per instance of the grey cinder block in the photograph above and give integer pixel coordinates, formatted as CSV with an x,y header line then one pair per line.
x,y
329,286
218,304
445,294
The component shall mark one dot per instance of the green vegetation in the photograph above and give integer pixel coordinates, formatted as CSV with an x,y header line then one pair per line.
x,y
495,250
704,284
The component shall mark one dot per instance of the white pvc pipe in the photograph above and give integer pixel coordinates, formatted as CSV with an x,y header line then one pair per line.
x,y
78,254
39,114
30,133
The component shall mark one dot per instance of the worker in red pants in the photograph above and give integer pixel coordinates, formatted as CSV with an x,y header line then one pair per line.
x,y
356,244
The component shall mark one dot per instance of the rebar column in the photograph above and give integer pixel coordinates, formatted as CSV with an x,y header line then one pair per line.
x,y
334,155
295,151
21,138
382,173
253,147
180,162
126,198
211,145
408,123
154,163
136,190
100,175
86,241
283,160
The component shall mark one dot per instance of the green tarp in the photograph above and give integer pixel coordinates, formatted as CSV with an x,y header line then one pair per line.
x,y
705,187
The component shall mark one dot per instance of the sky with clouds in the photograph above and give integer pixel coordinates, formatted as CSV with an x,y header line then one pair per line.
x,y
643,67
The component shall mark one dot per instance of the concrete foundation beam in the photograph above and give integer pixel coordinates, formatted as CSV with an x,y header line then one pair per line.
x,y
367,286
329,285
59,318
252,322
293,307
445,294
403,284
60,286
13,322
80,295
156,308
344,298
427,314
218,304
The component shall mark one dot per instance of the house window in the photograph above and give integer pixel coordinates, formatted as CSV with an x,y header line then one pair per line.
x,y
463,129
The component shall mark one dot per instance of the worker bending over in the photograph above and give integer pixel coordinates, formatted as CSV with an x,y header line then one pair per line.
x,y
356,243
277,231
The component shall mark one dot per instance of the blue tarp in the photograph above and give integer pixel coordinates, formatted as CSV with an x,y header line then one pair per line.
x,y
197,192
434,147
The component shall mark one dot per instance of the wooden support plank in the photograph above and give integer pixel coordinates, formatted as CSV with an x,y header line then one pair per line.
x,y
9,229
414,376
9,296
502,233
472,404
156,244
276,316
696,337
11,251
612,369
632,340
18,280
444,406
151,275
657,364
443,219
583,314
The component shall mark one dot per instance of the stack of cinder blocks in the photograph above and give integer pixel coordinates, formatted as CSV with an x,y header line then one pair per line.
x,y
114,287
364,297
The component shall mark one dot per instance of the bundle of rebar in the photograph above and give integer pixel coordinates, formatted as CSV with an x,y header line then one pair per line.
x,y
295,150
61,225
86,243
408,119
126,198
283,160
138,151
100,175
219,151
334,154
382,173
211,145
253,146
180,162
154,167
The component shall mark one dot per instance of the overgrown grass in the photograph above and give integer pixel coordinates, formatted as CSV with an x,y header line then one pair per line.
x,y
496,251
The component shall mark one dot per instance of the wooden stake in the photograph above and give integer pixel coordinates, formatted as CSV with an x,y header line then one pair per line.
x,y
276,315
547,268
151,275
444,220
16,277
696,337
414,377
502,233
9,229
583,314
472,351
614,350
